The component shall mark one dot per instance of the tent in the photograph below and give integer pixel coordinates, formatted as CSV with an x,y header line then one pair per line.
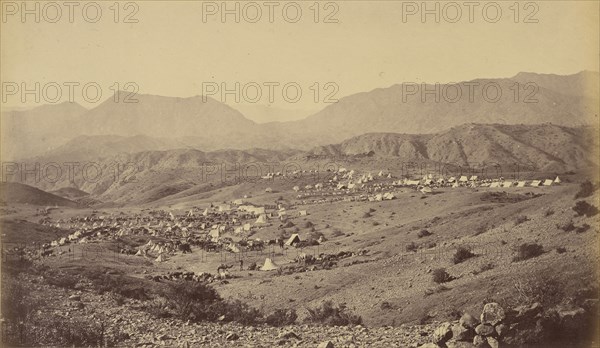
x,y
293,239
557,180
302,213
262,219
521,184
548,182
269,265
463,179
268,190
426,190
140,253
160,258
507,184
536,183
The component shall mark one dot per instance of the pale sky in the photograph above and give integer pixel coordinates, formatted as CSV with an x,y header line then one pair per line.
x,y
171,52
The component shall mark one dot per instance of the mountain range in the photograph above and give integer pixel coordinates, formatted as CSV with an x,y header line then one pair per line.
x,y
163,123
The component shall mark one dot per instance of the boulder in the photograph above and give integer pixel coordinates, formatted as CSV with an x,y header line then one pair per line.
x,y
443,333
232,336
75,298
492,342
289,335
528,312
480,342
492,314
501,329
484,330
461,333
468,321
459,344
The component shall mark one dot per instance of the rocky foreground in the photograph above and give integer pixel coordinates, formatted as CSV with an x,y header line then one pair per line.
x,y
126,322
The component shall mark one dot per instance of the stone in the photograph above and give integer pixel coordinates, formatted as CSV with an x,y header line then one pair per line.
x,y
325,344
484,330
501,329
75,298
468,321
459,344
492,342
480,342
443,333
528,312
492,313
232,336
429,345
289,335
461,333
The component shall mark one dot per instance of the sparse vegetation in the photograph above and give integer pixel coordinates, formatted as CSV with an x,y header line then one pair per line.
x,y
586,189
527,251
462,254
282,317
547,290
411,247
424,233
584,208
441,276
582,228
568,227
549,212
332,315
561,250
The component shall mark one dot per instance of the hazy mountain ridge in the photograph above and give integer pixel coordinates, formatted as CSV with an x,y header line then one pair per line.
x,y
161,123
543,147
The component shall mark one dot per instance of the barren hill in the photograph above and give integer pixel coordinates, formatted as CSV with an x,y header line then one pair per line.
x,y
11,192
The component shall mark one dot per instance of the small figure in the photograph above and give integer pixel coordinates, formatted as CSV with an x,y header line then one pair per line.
x,y
241,265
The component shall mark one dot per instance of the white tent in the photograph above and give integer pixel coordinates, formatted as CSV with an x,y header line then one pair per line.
x,y
548,182
302,213
426,190
463,179
269,265
507,184
557,180
262,219
521,184
160,258
536,183
293,239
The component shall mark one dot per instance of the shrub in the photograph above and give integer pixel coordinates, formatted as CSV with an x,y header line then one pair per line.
x,y
584,208
568,227
411,246
561,250
549,212
192,299
582,228
385,305
61,280
441,276
436,290
486,267
586,189
527,251
521,219
547,290
375,223
366,215
282,317
462,254
331,315
424,233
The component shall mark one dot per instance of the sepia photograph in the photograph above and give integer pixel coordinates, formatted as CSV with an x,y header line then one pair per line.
x,y
308,173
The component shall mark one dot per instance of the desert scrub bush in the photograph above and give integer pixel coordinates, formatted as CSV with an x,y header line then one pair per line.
x,y
584,208
568,227
582,228
561,250
385,305
337,233
17,305
61,280
190,300
158,307
586,189
542,288
549,212
424,233
54,331
485,267
282,317
527,251
439,275
375,223
521,219
332,315
411,247
366,215
462,254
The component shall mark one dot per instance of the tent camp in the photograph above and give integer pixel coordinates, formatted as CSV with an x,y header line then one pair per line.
x,y
269,265
262,219
293,239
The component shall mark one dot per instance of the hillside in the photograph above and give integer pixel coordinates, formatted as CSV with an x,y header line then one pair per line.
x,y
11,193
543,147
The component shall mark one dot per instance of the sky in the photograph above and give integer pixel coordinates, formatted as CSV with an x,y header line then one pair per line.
x,y
328,51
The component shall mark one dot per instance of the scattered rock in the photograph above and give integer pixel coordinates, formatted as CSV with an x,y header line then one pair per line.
x,y
484,330
492,314
501,329
480,342
461,333
326,344
442,334
492,342
232,336
75,298
288,335
468,321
